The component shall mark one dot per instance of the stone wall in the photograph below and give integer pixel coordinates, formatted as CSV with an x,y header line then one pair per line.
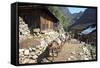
x,y
24,31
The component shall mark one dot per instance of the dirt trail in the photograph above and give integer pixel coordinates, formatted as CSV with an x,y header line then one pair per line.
x,y
70,51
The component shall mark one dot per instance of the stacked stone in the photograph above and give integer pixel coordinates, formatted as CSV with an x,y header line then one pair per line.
x,y
30,55
27,56
88,55
51,36
24,31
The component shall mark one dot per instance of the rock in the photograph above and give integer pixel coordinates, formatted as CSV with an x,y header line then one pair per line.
x,y
32,61
21,55
85,49
21,50
30,49
38,52
35,56
32,53
37,30
33,49
26,52
26,60
39,47
30,56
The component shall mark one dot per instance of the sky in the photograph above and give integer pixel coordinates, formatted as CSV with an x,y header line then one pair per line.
x,y
76,10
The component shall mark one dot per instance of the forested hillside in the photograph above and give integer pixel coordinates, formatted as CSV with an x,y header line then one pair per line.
x,y
64,16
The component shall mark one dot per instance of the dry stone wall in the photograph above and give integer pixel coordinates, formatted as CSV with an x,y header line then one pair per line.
x,y
24,31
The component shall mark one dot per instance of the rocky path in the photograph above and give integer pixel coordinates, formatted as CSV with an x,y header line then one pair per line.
x,y
71,51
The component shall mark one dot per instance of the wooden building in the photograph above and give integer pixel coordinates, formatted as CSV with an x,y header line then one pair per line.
x,y
37,16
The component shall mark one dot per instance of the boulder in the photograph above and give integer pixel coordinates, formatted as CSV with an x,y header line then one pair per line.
x,y
36,30
26,52
35,56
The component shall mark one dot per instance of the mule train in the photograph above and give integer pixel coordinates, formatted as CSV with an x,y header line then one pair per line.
x,y
53,49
